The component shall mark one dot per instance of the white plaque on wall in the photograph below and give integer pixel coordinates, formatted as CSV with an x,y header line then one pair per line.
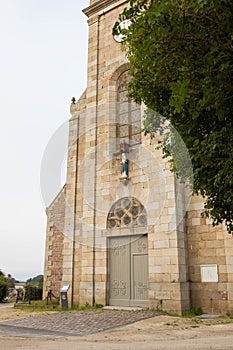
x,y
209,273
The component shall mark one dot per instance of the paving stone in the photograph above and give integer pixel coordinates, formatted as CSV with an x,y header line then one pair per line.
x,y
77,323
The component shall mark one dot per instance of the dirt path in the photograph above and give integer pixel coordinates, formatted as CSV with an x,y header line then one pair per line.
x,y
157,333
8,312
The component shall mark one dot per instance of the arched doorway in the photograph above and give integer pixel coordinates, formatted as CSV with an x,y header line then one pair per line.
x,y
127,254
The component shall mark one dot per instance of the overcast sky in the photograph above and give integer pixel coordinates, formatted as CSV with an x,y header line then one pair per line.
x,y
43,62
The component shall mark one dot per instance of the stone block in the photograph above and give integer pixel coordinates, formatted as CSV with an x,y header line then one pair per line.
x,y
101,270
161,244
155,269
163,295
229,259
230,277
196,221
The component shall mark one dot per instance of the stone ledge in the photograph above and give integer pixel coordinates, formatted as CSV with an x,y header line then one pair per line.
x,y
100,5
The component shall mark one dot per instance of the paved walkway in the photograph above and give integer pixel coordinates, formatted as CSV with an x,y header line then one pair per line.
x,y
72,323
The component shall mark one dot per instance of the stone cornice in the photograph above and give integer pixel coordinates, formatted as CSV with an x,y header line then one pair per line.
x,y
100,5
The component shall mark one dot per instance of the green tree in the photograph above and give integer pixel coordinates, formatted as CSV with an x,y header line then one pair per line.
x,y
33,291
37,279
11,281
34,288
181,60
4,285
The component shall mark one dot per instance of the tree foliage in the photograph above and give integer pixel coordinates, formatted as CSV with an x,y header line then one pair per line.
x,y
4,286
34,288
33,291
181,59
36,279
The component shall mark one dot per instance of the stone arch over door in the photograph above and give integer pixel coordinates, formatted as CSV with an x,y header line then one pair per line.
x,y
127,254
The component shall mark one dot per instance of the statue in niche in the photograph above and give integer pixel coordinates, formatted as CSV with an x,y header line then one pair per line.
x,y
124,166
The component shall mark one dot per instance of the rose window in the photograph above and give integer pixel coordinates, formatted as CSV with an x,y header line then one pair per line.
x,y
127,212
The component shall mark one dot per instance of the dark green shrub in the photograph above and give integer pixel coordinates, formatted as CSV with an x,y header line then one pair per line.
x,y
3,287
33,292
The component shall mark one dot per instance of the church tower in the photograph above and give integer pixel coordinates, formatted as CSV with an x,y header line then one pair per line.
x,y
120,231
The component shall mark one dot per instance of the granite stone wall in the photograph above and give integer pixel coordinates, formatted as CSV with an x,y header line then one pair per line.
x,y
54,245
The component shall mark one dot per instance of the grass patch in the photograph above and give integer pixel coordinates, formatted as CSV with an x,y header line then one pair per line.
x,y
6,301
192,313
53,305
37,305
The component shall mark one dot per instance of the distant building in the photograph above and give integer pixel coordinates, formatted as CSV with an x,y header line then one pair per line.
x,y
20,285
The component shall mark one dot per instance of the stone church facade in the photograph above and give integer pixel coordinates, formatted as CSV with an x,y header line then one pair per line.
x,y
128,234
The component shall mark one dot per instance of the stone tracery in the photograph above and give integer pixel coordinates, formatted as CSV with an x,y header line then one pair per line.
x,y
126,212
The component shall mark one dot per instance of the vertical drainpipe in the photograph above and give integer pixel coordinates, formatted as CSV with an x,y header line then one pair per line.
x,y
74,217
95,168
